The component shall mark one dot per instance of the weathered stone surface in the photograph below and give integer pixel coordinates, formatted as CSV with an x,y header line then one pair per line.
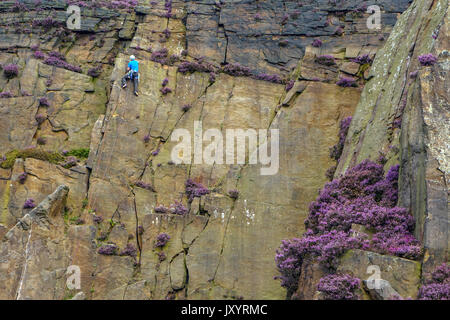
x,y
39,184
224,247
419,105
403,275
309,279
31,264
18,124
381,290
250,32
79,296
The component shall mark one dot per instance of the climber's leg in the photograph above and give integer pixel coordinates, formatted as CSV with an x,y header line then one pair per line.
x,y
125,79
136,82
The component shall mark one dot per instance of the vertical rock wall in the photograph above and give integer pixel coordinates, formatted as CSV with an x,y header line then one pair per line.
x,y
404,114
224,247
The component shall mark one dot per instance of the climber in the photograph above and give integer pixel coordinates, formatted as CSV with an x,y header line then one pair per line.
x,y
132,74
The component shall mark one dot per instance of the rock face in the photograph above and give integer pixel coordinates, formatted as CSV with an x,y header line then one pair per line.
x,y
393,275
404,114
31,261
224,247
403,117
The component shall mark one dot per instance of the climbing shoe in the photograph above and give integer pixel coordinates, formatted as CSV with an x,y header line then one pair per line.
x,y
137,94
124,86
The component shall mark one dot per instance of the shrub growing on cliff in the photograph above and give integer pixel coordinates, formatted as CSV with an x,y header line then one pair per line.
x,y
40,118
364,59
346,82
317,43
108,250
362,196
195,190
165,90
338,287
191,66
58,60
326,60
11,70
95,72
70,162
234,194
179,209
29,204
143,185
5,95
161,209
427,59
160,56
39,55
237,70
97,219
161,240
336,151
274,78
129,250
438,287
186,107
22,177
43,102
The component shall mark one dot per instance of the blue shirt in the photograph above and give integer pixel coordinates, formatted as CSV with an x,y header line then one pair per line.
x,y
134,65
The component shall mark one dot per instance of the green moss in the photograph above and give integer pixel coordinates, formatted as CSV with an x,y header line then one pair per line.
x,y
82,153
85,203
52,157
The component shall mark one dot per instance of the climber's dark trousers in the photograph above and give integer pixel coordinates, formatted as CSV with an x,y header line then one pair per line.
x,y
132,75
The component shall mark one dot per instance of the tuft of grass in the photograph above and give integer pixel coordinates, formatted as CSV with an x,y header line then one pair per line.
x,y
52,157
82,153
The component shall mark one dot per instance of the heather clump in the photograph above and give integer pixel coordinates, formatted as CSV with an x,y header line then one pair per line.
x,y
237,70
58,60
11,70
427,59
160,56
195,66
22,177
108,250
29,204
438,286
161,209
274,78
346,82
234,194
43,102
317,43
339,287
363,196
5,95
161,240
326,60
195,190
364,59
179,209
117,4
143,185
39,55
336,151
129,250
95,72
70,162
